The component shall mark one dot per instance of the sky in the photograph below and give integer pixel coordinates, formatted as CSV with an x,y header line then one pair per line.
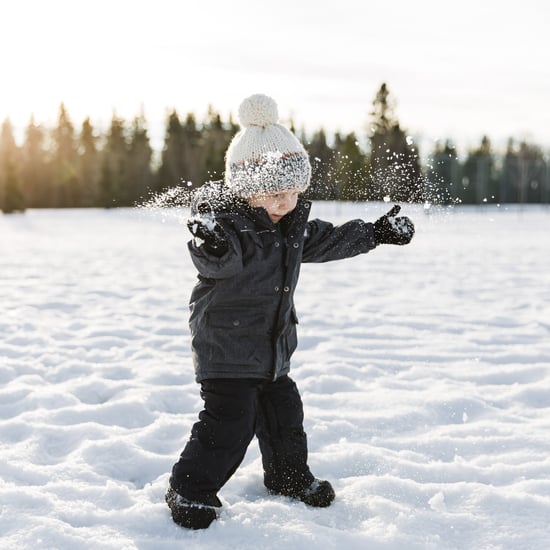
x,y
455,70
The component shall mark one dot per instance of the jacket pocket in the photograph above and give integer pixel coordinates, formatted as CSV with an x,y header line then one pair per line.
x,y
236,319
236,337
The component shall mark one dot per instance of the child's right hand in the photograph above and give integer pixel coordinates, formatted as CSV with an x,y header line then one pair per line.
x,y
208,233
392,230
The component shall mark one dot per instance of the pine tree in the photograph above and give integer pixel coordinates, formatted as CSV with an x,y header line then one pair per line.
x,y
523,176
321,157
172,162
444,177
140,175
64,163
89,169
113,183
193,154
478,181
394,161
35,171
508,191
216,139
11,194
349,169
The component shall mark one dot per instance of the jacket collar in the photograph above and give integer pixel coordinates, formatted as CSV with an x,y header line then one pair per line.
x,y
290,223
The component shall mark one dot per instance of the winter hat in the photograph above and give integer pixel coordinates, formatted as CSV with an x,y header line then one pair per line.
x,y
264,157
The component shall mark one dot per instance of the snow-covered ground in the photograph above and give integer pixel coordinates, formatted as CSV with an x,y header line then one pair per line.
x,y
425,374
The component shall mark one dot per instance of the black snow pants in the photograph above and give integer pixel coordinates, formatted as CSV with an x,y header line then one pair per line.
x,y
234,411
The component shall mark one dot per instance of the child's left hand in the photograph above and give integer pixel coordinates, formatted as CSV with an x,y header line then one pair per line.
x,y
392,230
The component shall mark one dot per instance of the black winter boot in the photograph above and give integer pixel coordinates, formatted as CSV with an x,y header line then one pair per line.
x,y
188,514
319,494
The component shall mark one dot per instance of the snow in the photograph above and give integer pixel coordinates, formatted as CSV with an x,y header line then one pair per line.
x,y
424,370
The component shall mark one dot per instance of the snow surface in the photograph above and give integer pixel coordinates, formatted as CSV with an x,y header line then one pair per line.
x,y
424,370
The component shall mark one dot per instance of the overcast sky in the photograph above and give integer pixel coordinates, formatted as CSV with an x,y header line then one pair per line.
x,y
456,69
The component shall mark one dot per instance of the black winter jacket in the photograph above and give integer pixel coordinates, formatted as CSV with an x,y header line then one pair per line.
x,y
243,321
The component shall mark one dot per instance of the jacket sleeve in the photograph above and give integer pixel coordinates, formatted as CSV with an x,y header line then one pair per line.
x,y
324,242
218,267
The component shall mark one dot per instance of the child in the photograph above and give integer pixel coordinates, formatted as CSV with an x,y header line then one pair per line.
x,y
251,235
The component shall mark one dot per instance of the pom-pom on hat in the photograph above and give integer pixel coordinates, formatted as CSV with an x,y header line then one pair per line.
x,y
264,157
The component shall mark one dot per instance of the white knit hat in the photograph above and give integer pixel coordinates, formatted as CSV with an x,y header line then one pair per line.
x,y
264,157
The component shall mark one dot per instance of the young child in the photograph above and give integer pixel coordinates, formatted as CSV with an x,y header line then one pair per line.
x,y
250,235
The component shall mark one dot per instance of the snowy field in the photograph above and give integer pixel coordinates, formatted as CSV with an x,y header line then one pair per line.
x,y
424,370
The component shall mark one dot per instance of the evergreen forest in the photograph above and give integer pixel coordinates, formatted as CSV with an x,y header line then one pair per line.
x,y
68,167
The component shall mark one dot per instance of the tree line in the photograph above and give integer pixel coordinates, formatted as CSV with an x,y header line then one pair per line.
x,y
68,167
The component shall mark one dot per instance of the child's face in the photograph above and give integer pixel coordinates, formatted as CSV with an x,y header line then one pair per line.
x,y
276,205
